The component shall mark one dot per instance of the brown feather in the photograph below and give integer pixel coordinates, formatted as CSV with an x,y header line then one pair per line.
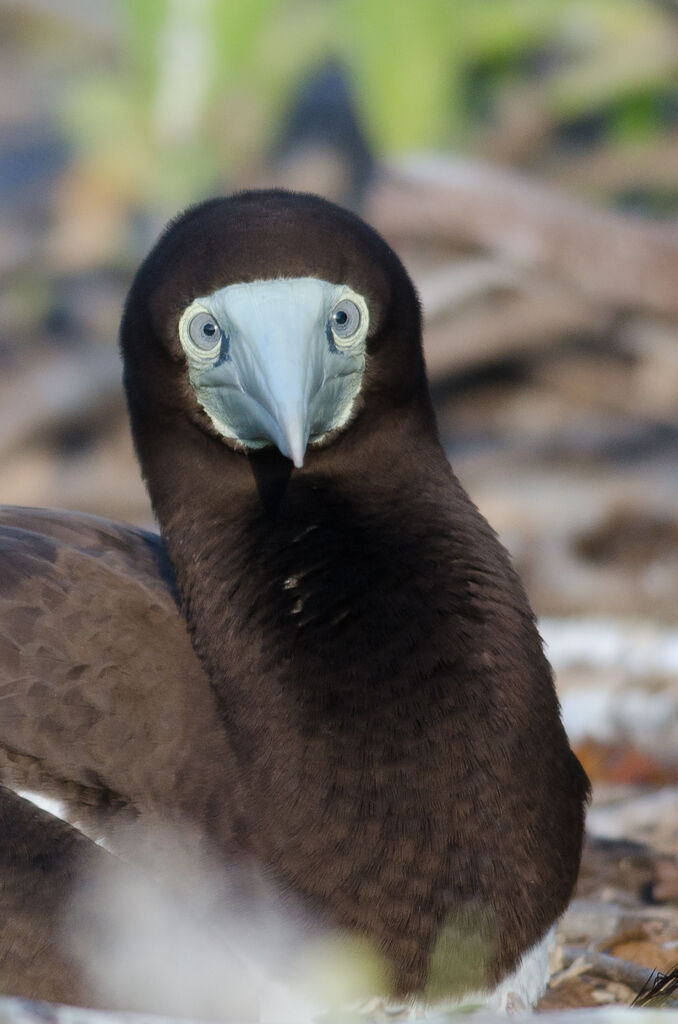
x,y
102,700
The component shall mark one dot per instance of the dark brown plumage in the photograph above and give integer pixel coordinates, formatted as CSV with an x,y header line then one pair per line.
x,y
380,730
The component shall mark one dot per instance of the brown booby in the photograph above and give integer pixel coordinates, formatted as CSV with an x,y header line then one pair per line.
x,y
364,709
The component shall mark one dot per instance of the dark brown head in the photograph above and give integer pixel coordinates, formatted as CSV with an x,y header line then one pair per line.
x,y
271,319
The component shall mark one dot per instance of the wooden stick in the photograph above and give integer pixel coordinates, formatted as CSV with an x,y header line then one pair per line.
x,y
620,260
603,965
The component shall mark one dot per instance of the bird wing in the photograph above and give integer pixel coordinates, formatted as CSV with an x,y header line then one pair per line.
x,y
40,859
103,702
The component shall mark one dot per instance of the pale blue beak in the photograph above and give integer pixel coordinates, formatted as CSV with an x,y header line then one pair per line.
x,y
275,374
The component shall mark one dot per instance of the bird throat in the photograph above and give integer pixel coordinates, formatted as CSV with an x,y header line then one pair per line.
x,y
315,589
302,617
330,652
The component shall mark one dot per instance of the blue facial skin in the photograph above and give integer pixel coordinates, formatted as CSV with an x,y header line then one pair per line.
x,y
284,364
224,352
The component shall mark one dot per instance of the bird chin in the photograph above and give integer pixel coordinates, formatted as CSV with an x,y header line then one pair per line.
x,y
250,427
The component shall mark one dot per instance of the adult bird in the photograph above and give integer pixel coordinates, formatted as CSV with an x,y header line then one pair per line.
x,y
366,712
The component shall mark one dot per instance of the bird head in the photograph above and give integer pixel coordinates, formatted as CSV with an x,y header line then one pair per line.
x,y
270,319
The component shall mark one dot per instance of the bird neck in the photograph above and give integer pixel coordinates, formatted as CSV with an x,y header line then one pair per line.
x,y
349,617
304,599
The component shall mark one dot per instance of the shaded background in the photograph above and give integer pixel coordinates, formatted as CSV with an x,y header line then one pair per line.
x,y
521,156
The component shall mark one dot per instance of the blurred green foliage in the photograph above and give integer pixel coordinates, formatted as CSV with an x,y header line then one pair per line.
x,y
197,92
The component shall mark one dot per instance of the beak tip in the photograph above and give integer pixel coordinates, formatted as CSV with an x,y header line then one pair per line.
x,y
293,443
296,455
289,434
294,452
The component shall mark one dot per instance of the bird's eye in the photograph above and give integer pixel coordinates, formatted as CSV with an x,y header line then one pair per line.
x,y
204,331
345,320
